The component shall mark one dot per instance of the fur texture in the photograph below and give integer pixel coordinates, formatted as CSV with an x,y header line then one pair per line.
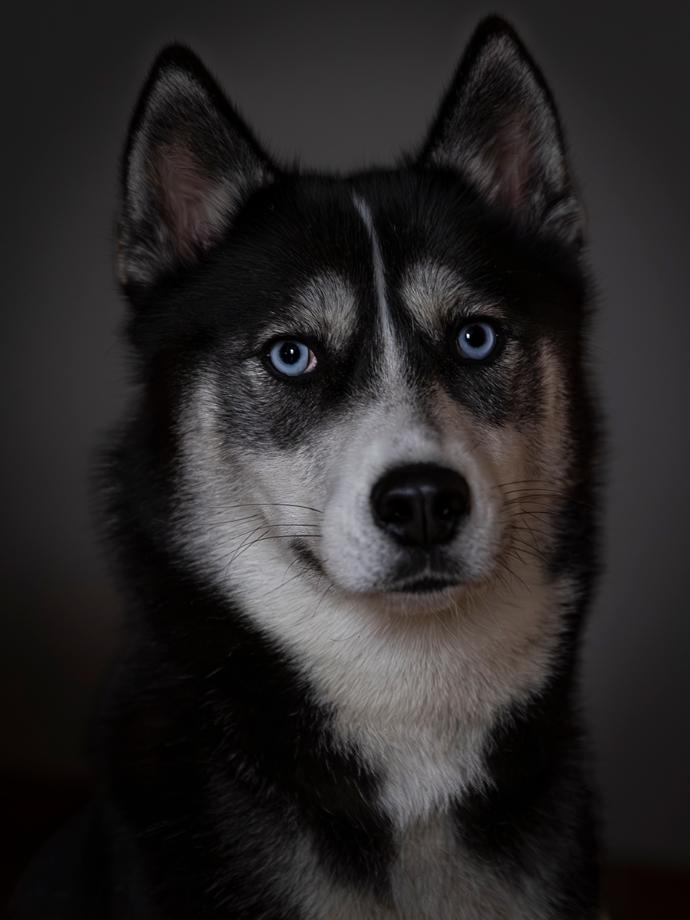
x,y
317,720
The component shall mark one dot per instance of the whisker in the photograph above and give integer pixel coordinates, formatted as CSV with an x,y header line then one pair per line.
x,y
267,536
529,550
522,482
242,545
520,492
287,581
512,573
274,505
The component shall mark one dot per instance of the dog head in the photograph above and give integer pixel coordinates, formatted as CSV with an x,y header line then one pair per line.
x,y
373,380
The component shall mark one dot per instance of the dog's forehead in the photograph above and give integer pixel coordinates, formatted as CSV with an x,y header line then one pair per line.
x,y
388,261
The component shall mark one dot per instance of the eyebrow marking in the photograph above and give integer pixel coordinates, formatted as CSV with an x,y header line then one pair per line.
x,y
436,295
324,307
364,212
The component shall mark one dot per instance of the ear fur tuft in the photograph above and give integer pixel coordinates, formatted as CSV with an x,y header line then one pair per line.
x,y
189,165
499,127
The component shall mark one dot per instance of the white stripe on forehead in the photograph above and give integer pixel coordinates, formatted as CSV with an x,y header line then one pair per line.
x,y
379,271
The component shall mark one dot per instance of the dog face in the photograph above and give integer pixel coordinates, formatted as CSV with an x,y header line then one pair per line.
x,y
368,380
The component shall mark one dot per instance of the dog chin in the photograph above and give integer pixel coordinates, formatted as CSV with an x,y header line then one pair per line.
x,y
420,600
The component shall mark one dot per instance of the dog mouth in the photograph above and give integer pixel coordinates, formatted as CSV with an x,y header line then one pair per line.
x,y
426,573
415,582
427,584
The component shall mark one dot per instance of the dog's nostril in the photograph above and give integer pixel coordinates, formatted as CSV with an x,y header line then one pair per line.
x,y
397,509
420,505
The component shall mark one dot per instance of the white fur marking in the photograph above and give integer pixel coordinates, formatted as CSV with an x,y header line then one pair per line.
x,y
387,333
417,693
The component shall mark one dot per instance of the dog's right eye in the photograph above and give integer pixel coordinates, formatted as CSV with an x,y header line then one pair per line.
x,y
477,340
291,358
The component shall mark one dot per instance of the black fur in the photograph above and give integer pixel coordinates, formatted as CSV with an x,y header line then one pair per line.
x,y
214,748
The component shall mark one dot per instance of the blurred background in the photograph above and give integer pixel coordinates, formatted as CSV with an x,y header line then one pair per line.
x,y
342,86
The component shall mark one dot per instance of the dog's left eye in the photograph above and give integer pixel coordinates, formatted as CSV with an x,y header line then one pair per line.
x,y
477,340
291,358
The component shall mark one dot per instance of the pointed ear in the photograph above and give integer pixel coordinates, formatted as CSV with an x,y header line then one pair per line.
x,y
189,165
499,127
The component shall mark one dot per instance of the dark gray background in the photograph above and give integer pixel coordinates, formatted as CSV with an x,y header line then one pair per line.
x,y
343,86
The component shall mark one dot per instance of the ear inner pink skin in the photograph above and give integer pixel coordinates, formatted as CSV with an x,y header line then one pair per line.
x,y
188,194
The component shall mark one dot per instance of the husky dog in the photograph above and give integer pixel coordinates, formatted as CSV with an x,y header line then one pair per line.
x,y
353,508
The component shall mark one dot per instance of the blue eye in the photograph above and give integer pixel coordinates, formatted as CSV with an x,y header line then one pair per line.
x,y
477,340
292,358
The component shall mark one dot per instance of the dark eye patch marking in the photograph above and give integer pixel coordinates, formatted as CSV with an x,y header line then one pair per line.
x,y
436,301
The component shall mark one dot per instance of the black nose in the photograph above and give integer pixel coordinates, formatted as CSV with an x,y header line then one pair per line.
x,y
420,505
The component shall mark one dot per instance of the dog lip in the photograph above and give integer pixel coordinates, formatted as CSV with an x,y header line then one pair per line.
x,y
426,585
307,556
